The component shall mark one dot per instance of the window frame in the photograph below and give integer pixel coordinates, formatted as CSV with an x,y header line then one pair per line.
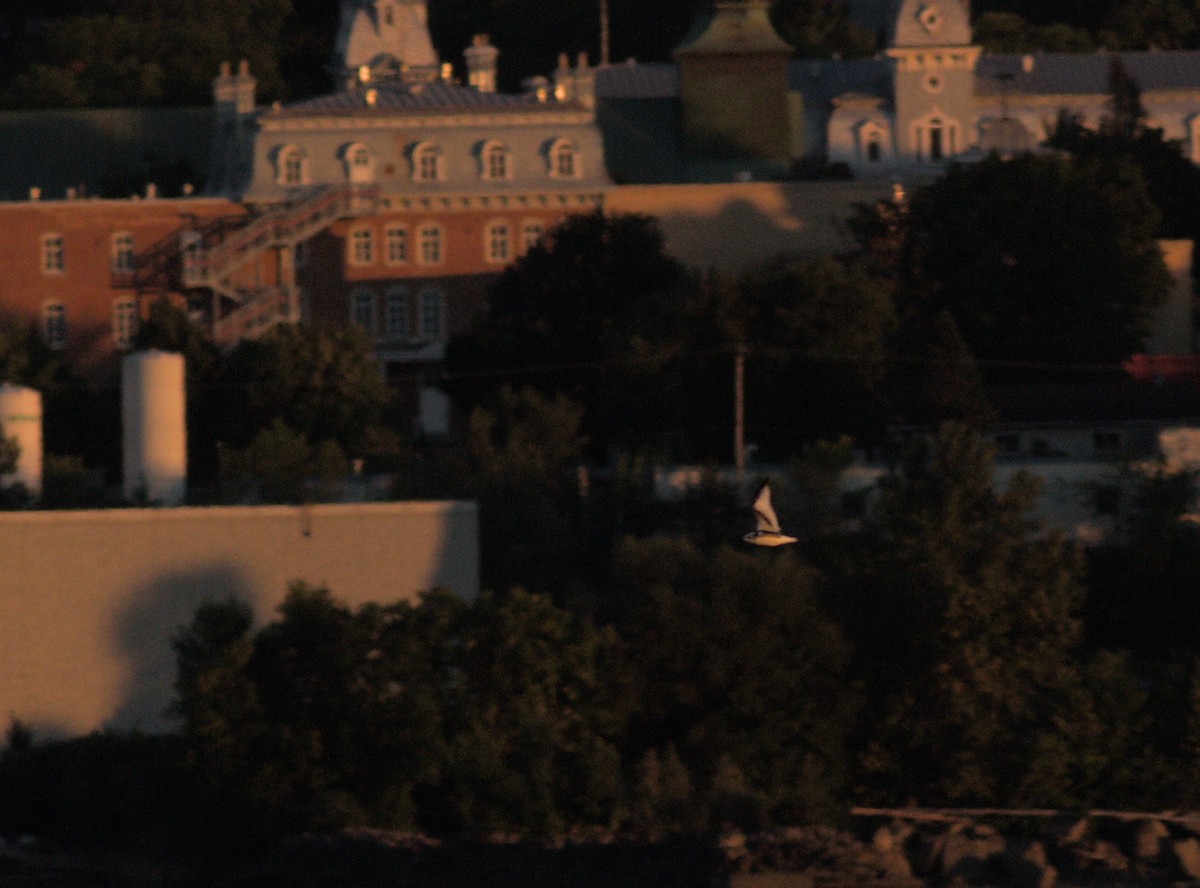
x,y
360,246
498,242
427,163
123,252
363,310
396,246
397,315
432,305
124,322
431,247
53,253
54,324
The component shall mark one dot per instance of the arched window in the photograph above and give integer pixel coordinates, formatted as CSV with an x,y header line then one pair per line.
x,y
54,325
564,160
291,166
495,161
124,322
427,163
497,243
122,253
429,244
362,246
935,138
360,163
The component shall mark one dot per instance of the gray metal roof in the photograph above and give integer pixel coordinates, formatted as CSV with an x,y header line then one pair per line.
x,y
822,80
393,98
632,80
1062,73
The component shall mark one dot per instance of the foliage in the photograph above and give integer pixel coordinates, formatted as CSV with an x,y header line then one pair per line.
x,y
145,52
489,716
279,466
732,663
324,385
965,620
585,313
1016,251
818,331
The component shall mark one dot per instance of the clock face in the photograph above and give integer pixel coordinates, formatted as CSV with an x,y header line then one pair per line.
x,y
930,17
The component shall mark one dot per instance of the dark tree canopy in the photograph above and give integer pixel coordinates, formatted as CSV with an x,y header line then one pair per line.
x,y
1037,259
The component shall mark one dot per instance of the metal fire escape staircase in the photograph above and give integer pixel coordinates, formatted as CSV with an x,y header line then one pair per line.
x,y
212,259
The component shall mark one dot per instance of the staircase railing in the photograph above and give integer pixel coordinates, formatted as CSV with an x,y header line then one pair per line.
x,y
284,225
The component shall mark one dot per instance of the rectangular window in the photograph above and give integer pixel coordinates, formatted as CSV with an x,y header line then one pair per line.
x,y
54,325
431,314
396,245
124,322
54,259
430,237
122,253
531,233
362,246
497,243
362,310
396,317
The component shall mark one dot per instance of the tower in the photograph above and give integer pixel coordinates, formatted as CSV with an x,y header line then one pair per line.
x,y
381,39
733,84
934,78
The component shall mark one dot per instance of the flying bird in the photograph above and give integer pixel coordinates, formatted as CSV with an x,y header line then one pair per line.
x,y
766,532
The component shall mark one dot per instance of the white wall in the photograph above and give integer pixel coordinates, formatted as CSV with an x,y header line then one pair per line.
x,y
89,601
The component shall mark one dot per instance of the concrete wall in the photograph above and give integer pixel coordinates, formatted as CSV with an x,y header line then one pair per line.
x,y
734,226
89,601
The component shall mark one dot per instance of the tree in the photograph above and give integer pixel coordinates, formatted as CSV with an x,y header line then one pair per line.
x,y
731,662
964,615
324,385
1017,251
817,331
821,28
586,313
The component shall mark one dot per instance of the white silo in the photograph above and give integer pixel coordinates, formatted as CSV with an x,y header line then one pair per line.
x,y
21,418
154,427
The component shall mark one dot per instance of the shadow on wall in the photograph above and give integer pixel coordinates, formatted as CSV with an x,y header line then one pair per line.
x,y
143,634
734,227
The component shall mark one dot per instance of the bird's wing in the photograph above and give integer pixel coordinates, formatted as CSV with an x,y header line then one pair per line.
x,y
763,513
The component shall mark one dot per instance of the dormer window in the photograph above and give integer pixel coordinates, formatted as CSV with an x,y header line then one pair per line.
x,y
495,161
564,161
359,161
427,163
291,166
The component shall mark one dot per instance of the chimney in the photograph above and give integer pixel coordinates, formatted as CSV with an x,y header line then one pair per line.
x,y
481,59
244,87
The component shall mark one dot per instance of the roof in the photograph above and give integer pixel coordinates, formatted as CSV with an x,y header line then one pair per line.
x,y
414,98
633,80
735,28
75,148
1063,73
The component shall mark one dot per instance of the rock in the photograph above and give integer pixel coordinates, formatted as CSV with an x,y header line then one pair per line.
x,y
972,854
1187,854
1149,838
771,880
1030,868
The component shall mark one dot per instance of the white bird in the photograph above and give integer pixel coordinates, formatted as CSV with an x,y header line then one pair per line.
x,y
767,532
